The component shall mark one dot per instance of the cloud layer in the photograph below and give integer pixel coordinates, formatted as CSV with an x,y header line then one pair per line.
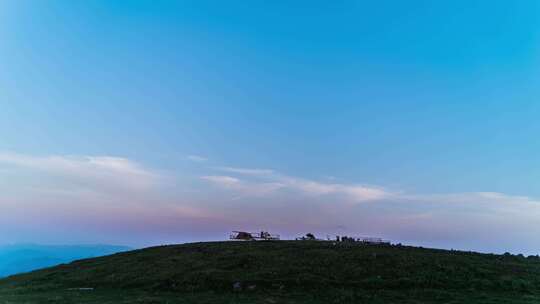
x,y
89,198
486,221
196,158
115,199
115,171
267,182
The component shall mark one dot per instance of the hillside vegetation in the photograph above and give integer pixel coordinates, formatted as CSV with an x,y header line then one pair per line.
x,y
283,272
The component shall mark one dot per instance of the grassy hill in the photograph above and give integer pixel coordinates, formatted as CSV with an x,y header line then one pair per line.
x,y
283,272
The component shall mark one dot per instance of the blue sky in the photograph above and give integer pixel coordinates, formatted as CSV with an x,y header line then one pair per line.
x,y
388,118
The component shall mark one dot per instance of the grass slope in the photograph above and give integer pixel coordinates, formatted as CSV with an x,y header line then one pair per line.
x,y
283,272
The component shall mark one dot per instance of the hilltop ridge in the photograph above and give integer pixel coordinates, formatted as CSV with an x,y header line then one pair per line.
x,y
284,272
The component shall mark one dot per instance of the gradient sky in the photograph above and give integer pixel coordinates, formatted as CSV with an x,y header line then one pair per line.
x,y
155,122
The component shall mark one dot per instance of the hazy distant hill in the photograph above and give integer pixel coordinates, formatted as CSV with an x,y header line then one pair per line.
x,y
22,258
283,272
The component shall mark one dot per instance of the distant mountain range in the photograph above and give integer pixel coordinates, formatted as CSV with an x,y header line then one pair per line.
x,y
23,258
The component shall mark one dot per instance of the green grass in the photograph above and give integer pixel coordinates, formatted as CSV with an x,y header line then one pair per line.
x,y
283,272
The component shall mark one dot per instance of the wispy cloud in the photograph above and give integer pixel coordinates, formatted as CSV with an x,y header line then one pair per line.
x,y
224,181
267,182
90,170
243,187
354,192
427,218
197,158
245,178
107,194
96,192
245,171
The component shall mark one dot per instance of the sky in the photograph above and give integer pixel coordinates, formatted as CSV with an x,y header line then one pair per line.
x,y
154,122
